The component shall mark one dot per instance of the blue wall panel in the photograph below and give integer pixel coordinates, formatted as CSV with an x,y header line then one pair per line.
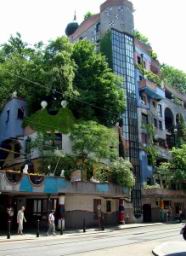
x,y
25,185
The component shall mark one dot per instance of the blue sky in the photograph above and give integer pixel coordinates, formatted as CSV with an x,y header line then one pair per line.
x,y
162,21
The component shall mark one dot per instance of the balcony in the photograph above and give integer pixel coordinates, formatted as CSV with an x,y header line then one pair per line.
x,y
16,182
151,89
163,193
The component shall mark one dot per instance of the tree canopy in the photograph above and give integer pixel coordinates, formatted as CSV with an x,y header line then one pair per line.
x,y
61,70
100,92
174,77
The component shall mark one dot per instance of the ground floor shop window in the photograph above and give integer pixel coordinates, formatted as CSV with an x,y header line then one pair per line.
x,y
108,205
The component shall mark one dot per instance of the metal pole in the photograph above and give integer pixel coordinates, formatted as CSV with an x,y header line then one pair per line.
x,y
84,225
8,233
61,231
37,234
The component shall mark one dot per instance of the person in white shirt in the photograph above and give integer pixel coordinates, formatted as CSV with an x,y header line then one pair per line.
x,y
20,219
51,223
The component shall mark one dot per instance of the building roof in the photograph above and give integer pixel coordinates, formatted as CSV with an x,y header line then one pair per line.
x,y
146,47
109,3
176,93
85,25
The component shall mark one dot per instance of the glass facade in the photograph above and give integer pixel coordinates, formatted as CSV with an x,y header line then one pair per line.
x,y
123,65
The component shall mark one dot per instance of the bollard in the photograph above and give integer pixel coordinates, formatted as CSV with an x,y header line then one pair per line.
x,y
37,234
61,231
84,225
8,233
102,224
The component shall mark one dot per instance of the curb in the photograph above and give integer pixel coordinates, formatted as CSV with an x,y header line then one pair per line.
x,y
74,233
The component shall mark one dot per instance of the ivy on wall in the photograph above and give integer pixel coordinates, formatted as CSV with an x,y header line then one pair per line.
x,y
106,47
42,121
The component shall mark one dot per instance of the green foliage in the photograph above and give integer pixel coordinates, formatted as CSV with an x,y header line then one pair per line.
x,y
173,172
153,55
181,131
174,77
35,72
149,74
151,149
87,15
145,186
42,121
152,154
164,174
74,71
94,141
97,85
141,37
118,172
106,47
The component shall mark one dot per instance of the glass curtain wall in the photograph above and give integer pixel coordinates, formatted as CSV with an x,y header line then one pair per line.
x,y
123,65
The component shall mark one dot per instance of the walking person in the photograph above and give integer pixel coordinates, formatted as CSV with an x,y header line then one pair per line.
x,y
20,219
180,215
51,223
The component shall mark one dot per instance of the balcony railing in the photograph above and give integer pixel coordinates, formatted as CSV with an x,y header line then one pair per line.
x,y
152,89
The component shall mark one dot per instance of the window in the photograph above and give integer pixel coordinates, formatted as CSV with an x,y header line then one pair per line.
x,y
7,116
98,27
144,99
160,125
144,138
144,119
139,60
159,110
108,205
37,207
54,141
97,208
58,141
155,123
154,104
20,113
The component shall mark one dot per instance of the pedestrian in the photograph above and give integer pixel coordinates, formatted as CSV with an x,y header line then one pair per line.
x,y
51,223
180,215
20,219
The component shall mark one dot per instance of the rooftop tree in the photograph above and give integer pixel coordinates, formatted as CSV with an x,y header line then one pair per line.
x,y
100,92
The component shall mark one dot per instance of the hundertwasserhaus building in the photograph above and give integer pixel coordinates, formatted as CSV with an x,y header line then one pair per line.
x,y
149,103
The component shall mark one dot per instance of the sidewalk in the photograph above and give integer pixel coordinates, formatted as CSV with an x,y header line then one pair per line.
x,y
170,249
73,233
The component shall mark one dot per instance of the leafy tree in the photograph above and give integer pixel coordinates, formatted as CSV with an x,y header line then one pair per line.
x,y
164,174
100,92
95,141
87,15
118,172
174,77
61,70
141,37
181,131
92,143
35,72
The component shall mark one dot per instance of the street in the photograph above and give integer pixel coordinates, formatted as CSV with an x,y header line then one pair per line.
x,y
133,242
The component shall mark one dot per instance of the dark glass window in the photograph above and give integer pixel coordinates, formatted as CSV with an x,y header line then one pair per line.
x,y
160,125
144,119
20,113
155,123
144,138
108,205
7,116
159,110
